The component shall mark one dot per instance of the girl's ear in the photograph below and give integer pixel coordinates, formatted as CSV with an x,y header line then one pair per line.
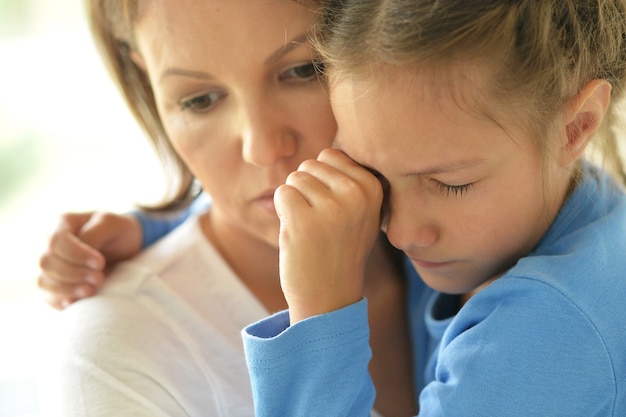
x,y
583,116
137,59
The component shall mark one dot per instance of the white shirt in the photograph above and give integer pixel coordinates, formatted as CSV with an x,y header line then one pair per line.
x,y
162,338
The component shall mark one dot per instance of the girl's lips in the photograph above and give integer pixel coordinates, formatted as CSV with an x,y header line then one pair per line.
x,y
427,264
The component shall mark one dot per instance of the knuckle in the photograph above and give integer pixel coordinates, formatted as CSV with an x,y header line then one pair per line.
x,y
66,218
327,153
306,164
44,261
103,217
40,282
296,177
58,239
352,189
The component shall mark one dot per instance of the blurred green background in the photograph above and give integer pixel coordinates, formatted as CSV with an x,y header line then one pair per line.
x,y
67,143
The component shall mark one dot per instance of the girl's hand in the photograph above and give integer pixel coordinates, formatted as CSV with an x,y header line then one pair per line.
x,y
81,249
329,214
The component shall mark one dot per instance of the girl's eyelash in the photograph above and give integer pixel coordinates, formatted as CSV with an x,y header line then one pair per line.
x,y
454,190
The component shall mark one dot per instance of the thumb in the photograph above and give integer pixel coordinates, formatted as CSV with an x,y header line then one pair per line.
x,y
117,237
67,244
95,232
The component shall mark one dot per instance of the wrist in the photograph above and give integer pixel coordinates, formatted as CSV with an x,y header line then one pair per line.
x,y
303,309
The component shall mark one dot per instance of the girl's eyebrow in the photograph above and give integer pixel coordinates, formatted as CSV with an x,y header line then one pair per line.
x,y
449,167
434,170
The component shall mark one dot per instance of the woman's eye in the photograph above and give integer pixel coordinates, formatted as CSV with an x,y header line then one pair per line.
x,y
201,103
454,190
305,72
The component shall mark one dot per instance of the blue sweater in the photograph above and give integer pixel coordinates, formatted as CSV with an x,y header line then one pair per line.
x,y
156,225
548,338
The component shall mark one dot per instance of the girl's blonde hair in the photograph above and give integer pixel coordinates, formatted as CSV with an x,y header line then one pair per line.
x,y
112,24
542,52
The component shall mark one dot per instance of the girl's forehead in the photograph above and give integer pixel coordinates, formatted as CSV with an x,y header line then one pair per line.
x,y
444,86
405,115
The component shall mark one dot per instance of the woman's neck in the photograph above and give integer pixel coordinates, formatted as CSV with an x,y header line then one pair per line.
x,y
253,261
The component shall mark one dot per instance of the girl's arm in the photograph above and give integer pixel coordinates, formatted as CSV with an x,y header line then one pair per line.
x,y
313,360
84,246
317,367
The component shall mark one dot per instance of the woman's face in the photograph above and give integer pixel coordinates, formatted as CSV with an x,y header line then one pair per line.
x,y
239,99
466,198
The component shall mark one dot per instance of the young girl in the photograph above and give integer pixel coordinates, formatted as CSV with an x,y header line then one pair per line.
x,y
475,117
227,90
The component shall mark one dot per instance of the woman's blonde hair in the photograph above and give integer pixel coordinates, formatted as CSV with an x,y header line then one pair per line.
x,y
543,51
112,24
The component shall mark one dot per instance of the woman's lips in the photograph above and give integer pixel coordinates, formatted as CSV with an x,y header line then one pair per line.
x,y
265,200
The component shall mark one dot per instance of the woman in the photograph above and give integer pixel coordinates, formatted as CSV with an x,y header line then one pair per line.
x,y
228,92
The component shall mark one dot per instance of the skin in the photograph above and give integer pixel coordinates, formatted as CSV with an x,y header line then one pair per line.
x,y
465,197
81,249
242,106
463,207
240,121
387,124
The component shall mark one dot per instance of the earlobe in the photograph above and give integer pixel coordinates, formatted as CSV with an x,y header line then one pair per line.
x,y
584,115
137,59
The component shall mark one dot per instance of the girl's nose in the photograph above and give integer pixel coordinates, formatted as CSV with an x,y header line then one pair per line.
x,y
407,226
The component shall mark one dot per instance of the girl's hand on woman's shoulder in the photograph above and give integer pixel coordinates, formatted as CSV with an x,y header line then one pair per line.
x,y
81,250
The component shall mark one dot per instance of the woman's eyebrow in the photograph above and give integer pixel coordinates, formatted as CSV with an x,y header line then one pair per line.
x,y
185,73
275,56
286,48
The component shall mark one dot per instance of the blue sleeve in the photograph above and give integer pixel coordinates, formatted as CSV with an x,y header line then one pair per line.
x,y
155,227
317,367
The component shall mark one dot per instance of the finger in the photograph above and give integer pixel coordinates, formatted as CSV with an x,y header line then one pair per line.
x,y
117,237
96,231
58,303
61,295
65,245
64,291
289,201
343,178
72,222
313,195
342,162
321,177
59,270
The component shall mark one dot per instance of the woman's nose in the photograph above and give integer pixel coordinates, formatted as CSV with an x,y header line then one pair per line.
x,y
267,137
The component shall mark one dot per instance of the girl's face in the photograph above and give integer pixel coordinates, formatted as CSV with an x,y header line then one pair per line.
x,y
466,199
236,90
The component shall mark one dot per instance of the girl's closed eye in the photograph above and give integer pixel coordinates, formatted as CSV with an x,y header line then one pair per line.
x,y
201,103
302,72
453,190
